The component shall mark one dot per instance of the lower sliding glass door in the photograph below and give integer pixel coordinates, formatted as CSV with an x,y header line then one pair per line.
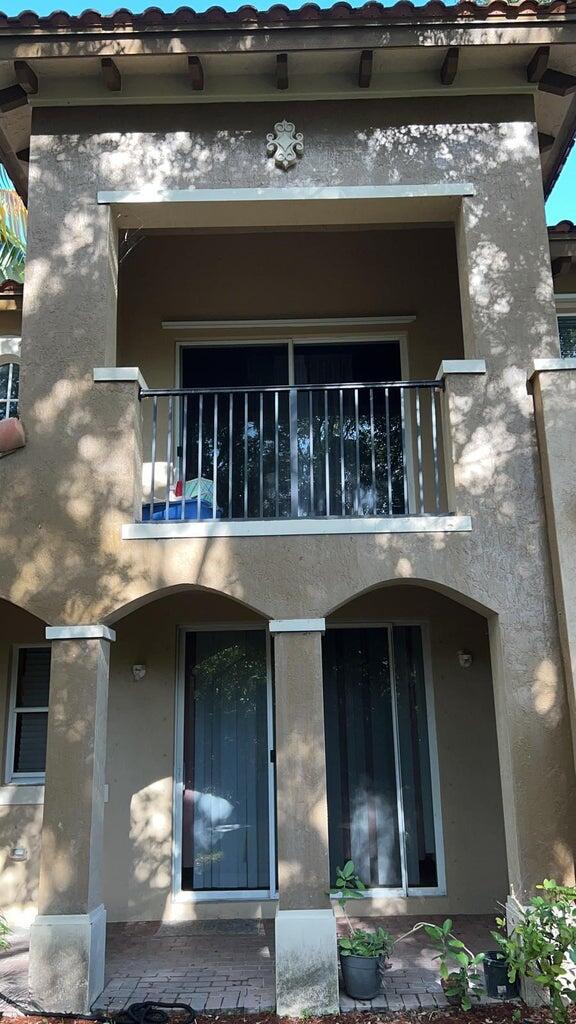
x,y
226,788
383,808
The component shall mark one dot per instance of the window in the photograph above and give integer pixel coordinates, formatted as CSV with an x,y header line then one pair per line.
x,y
9,382
567,331
28,720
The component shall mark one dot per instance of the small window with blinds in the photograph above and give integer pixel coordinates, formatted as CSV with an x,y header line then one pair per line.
x,y
29,715
567,331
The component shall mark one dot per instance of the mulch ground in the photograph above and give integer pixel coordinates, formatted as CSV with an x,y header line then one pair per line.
x,y
506,1013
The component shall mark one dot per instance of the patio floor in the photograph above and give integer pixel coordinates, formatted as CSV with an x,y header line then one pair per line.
x,y
227,965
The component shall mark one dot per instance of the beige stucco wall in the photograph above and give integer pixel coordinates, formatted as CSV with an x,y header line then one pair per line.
x,y
72,487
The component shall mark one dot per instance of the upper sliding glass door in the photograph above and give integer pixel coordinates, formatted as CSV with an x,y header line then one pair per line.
x,y
277,430
381,810
226,800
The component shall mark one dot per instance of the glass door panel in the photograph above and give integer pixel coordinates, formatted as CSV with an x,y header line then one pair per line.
x,y
226,798
360,759
380,799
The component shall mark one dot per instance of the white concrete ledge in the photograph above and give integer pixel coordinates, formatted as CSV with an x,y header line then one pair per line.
x,y
297,626
448,366
118,374
80,633
550,365
19,794
296,527
235,195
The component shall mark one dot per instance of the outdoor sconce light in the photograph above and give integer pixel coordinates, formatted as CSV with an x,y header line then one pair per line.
x,y
138,671
465,658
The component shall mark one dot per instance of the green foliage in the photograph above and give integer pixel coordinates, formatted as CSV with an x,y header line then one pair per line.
x,y
349,886
542,946
361,943
459,967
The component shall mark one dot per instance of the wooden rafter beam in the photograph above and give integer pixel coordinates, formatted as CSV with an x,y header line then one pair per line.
x,y
11,97
26,77
545,142
365,68
557,82
538,64
13,167
196,73
282,81
449,68
110,74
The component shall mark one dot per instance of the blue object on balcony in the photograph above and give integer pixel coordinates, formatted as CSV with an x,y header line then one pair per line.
x,y
175,510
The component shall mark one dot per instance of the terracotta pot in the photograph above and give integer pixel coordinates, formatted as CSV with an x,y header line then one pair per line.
x,y
12,435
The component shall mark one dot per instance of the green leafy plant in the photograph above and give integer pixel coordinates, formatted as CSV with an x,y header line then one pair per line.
x,y
542,945
4,933
379,943
459,967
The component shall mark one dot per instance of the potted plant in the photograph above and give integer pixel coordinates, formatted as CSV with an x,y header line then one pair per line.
x,y
542,945
362,953
459,967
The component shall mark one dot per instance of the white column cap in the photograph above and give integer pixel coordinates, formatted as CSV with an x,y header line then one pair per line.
x,y
80,633
118,375
448,366
297,625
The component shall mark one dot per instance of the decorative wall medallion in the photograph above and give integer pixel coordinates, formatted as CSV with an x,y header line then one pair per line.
x,y
285,144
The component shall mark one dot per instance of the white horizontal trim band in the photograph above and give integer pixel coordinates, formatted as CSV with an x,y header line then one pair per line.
x,y
333,321
251,195
118,374
448,366
297,626
66,920
297,527
306,914
21,793
80,633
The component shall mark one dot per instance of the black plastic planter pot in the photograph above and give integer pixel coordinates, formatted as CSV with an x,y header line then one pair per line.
x,y
361,976
496,976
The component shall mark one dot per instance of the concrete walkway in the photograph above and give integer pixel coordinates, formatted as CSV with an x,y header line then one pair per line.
x,y
227,965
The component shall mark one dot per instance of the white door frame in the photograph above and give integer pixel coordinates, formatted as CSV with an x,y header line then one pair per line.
x,y
180,895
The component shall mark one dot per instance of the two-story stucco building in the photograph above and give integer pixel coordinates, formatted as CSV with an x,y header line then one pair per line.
x,y
287,563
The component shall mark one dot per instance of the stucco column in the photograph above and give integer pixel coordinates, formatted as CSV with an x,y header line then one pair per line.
x,y
306,959
535,760
553,384
67,943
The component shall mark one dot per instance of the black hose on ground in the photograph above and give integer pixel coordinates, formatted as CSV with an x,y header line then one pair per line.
x,y
148,1012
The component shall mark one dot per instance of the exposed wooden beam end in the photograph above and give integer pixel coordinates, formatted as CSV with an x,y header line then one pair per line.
x,y
449,68
110,74
11,97
538,64
196,73
24,155
26,77
545,142
282,81
561,265
365,68
557,82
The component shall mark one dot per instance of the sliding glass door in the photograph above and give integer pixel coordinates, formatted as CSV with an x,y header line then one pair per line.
x,y
227,806
381,800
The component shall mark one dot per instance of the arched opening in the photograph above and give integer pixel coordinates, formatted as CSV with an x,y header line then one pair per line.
x,y
414,791
190,815
24,694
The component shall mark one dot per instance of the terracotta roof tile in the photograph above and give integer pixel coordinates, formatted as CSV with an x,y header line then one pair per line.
x,y
564,227
371,12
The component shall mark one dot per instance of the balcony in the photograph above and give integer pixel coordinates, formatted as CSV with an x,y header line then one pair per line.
x,y
323,453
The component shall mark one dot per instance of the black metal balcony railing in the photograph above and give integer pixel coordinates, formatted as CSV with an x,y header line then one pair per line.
x,y
305,451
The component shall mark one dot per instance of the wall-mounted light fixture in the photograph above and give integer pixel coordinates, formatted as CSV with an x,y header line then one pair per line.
x,y
138,671
465,658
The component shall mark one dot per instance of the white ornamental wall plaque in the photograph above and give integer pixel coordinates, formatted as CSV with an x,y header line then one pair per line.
x,y
285,144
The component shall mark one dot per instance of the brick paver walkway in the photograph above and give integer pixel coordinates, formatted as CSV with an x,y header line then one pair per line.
x,y
227,965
